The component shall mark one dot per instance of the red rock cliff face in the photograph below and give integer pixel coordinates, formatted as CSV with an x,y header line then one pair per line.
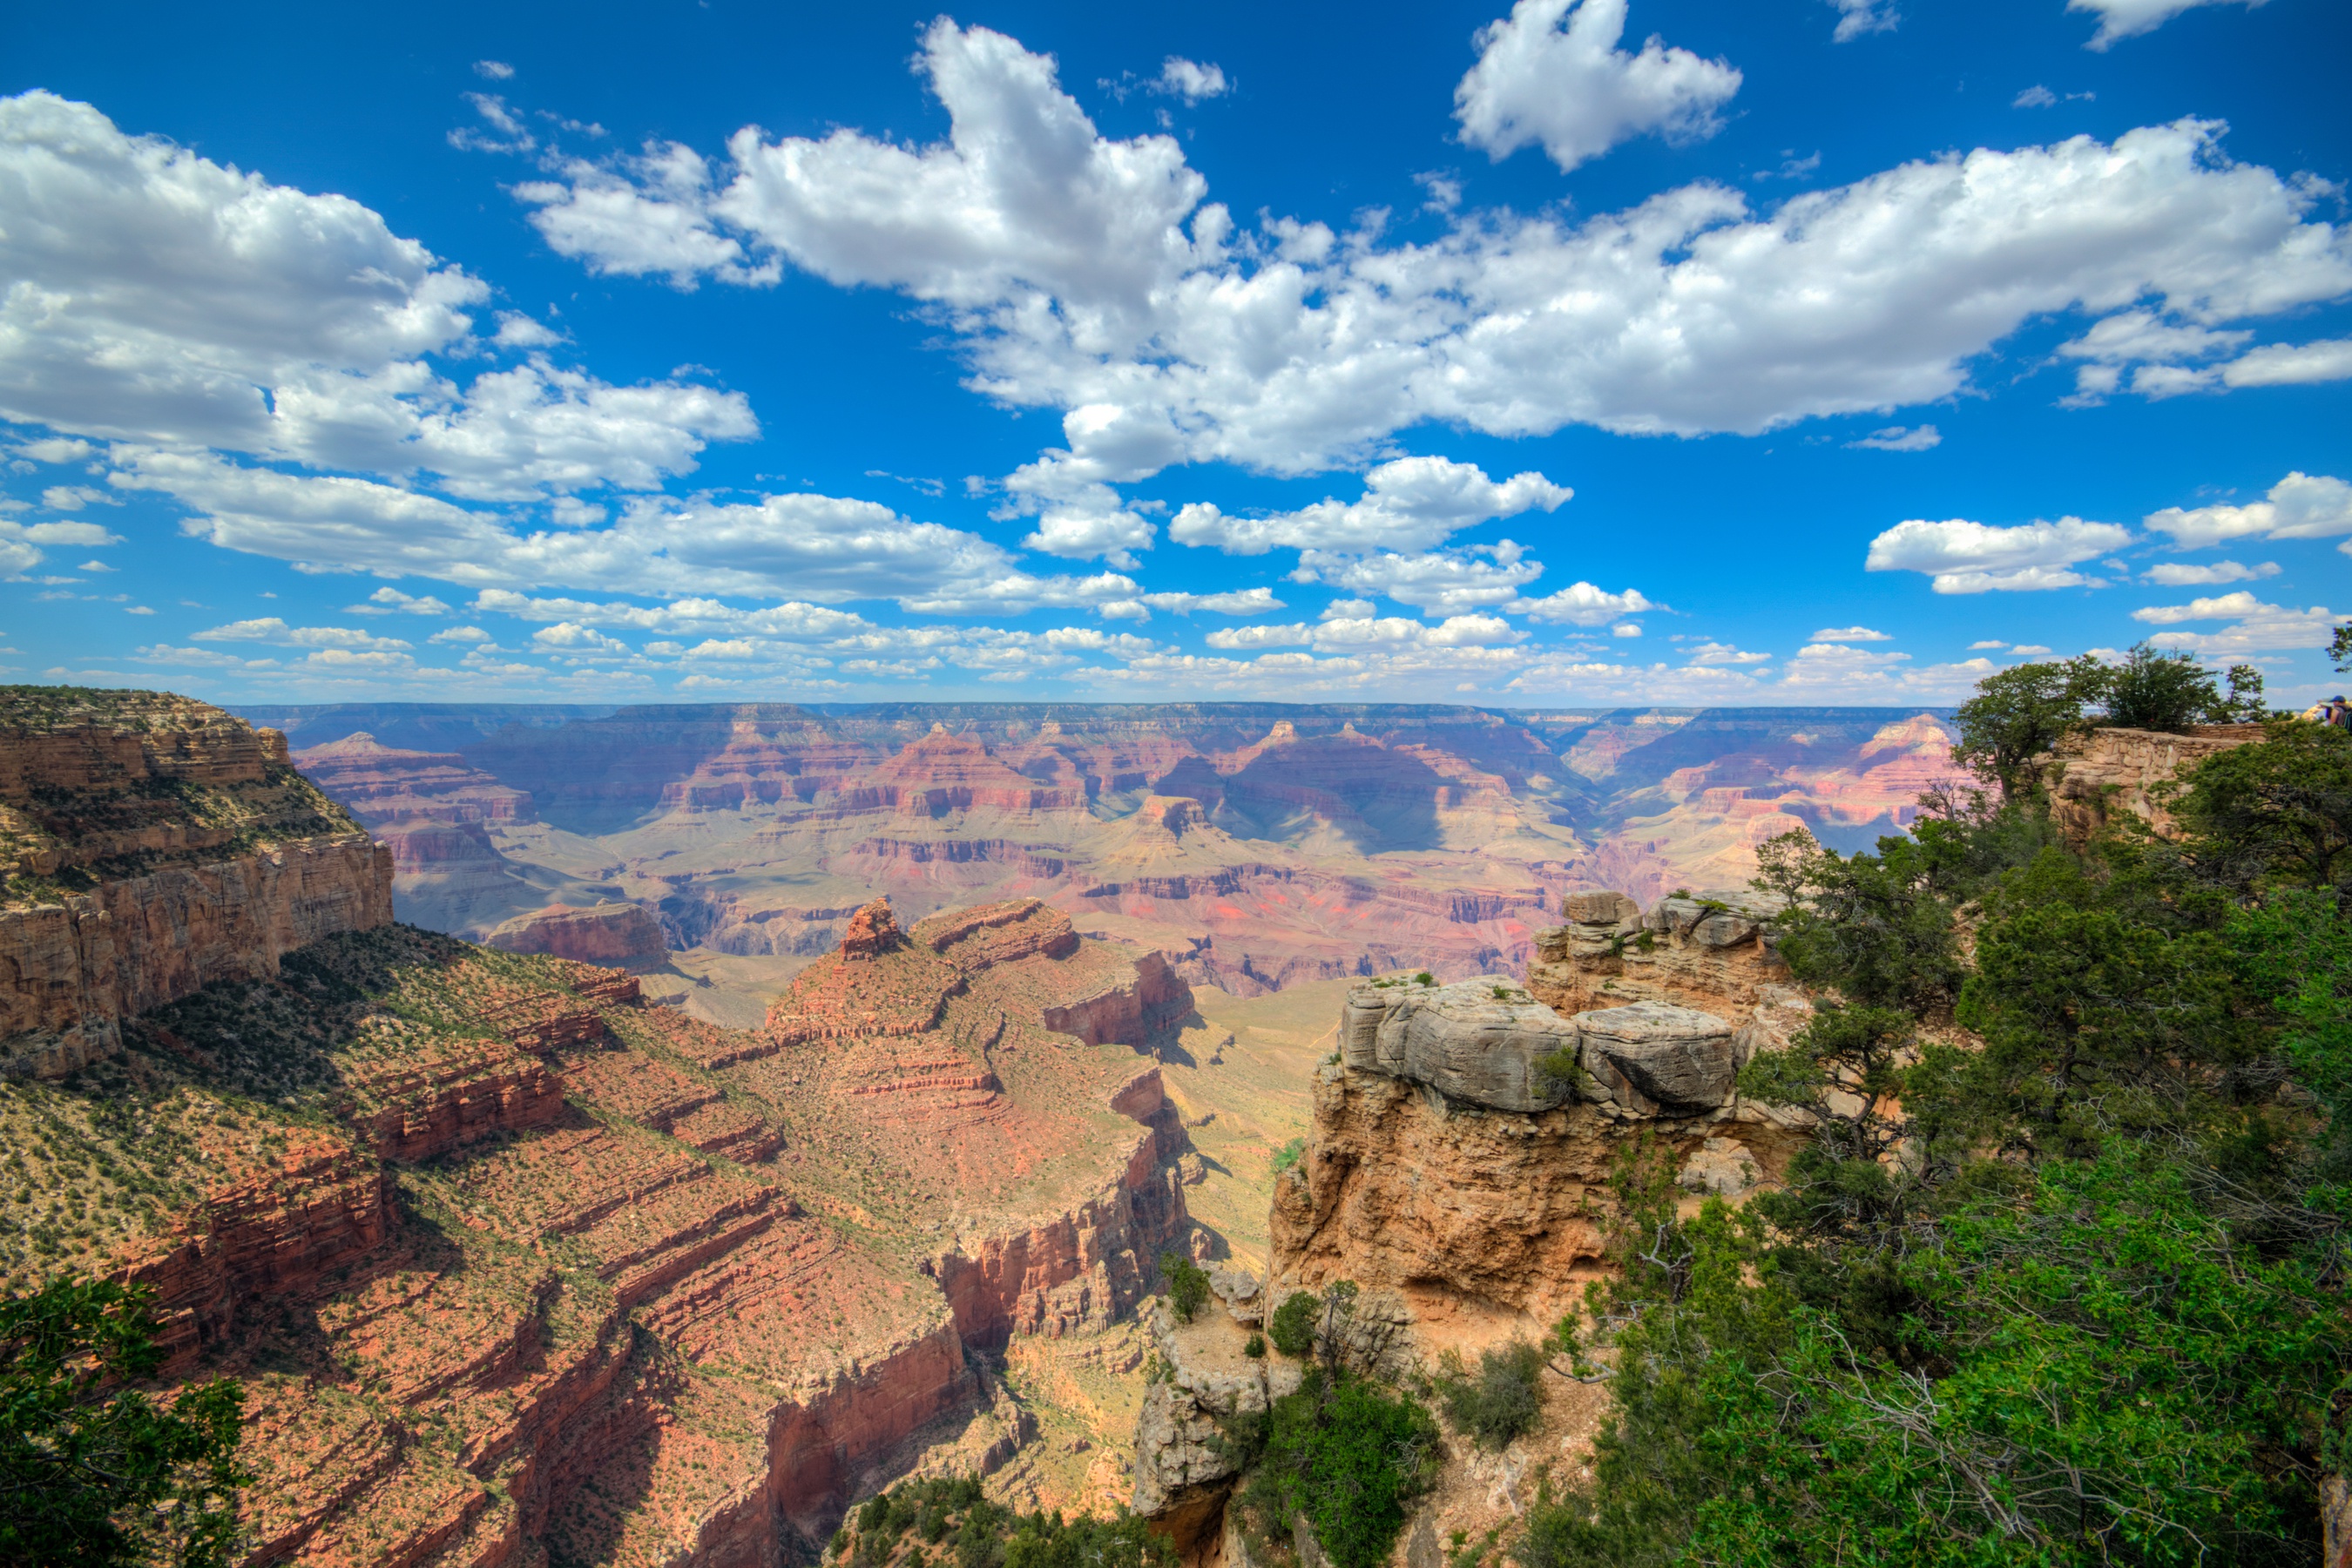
x,y
126,895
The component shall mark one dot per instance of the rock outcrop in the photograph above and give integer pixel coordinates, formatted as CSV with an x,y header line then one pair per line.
x,y
1185,1447
380,784
154,846
624,936
2097,772
1462,1142
513,1265
1481,1042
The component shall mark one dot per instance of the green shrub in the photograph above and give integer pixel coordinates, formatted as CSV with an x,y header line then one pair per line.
x,y
1424,978
2166,692
1187,1285
1289,1154
1348,1454
1503,1400
1292,1328
1254,1347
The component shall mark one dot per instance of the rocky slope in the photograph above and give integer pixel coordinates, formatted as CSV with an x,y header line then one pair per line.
x,y
1262,845
517,1267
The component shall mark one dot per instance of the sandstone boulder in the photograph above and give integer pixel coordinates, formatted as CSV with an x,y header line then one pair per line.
x,y
1238,1288
1721,1166
1654,1059
1481,1041
1599,909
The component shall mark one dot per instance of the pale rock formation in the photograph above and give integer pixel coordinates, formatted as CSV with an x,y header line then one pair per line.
x,y
1654,1059
1184,1465
2097,772
1708,951
1722,1167
1483,1042
626,936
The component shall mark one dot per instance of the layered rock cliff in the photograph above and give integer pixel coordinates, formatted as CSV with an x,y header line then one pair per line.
x,y
152,846
516,1266
1261,846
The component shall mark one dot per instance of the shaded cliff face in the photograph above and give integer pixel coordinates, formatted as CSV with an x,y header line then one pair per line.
x,y
151,845
1262,845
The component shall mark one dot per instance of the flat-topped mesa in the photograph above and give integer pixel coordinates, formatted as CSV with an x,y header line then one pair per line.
x,y
2097,772
943,773
151,845
623,935
882,983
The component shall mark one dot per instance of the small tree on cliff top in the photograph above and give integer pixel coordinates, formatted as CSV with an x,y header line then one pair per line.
x,y
2018,714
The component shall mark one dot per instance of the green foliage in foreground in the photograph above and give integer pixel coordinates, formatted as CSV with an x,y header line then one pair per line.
x,y
2075,1295
938,1522
93,1472
1347,1455
1292,1328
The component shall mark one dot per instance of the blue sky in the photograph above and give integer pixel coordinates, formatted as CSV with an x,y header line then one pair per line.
x,y
1792,351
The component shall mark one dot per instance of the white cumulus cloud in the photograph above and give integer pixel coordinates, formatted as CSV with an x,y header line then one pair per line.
x,y
1963,557
2256,626
2129,18
1551,73
1092,274
1412,503
2300,506
2177,574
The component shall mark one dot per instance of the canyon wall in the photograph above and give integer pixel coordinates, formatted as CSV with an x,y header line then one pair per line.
x,y
152,846
1260,845
2095,774
515,1265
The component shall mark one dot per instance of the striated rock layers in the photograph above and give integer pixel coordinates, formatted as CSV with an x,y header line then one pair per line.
x,y
516,1268
1260,845
2098,773
626,936
587,1277
154,845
